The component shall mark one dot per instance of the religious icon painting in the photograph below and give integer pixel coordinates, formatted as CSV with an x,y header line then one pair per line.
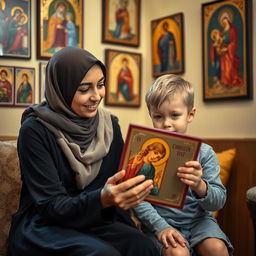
x,y
15,29
24,86
227,50
167,45
59,24
157,154
123,78
6,86
121,22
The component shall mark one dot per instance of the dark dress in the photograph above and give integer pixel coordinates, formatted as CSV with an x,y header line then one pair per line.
x,y
54,217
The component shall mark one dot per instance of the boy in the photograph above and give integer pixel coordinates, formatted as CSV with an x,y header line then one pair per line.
x,y
170,102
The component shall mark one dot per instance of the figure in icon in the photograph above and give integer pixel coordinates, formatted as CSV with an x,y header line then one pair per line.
x,y
125,82
167,49
142,163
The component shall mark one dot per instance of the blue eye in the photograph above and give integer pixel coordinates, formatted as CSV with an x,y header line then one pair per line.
x,y
175,115
157,117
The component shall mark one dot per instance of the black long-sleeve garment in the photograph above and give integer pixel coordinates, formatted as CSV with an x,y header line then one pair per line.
x,y
53,214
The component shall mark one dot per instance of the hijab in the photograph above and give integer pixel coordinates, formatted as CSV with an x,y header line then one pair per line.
x,y
84,141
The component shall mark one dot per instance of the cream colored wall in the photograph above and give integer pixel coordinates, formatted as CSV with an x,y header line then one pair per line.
x,y
234,118
219,119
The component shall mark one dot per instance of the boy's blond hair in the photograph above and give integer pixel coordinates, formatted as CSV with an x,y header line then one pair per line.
x,y
167,86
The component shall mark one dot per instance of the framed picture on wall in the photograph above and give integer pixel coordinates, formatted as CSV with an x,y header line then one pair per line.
x,y
167,45
59,24
15,29
6,86
123,78
121,22
24,86
42,68
227,50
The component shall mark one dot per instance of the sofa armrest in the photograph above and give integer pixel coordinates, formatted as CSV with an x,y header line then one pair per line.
x,y
9,188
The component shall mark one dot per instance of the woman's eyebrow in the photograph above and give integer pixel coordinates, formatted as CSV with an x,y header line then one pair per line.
x,y
90,83
85,83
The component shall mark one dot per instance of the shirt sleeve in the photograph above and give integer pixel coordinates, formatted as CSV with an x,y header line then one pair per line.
x,y
216,192
150,218
54,196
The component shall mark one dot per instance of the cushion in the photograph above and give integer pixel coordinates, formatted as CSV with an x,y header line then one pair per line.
x,y
9,188
251,194
225,159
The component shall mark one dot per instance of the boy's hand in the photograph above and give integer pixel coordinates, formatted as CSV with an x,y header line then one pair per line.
x,y
169,236
191,174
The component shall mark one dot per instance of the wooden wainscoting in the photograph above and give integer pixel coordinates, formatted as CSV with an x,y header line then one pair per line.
x,y
4,138
234,218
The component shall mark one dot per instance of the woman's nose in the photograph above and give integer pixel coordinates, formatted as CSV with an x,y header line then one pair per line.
x,y
95,95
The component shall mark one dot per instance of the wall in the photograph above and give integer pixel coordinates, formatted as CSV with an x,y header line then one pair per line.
x,y
234,118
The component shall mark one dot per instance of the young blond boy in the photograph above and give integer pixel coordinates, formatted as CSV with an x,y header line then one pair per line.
x,y
192,230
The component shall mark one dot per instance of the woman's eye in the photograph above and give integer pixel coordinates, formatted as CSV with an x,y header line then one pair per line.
x,y
83,90
101,85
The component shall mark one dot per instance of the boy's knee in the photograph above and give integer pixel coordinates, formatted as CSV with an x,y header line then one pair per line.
x,y
212,247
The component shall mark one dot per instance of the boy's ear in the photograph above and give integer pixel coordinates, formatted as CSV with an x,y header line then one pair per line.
x,y
191,114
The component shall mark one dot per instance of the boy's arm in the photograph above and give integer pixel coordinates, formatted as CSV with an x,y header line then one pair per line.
x,y
215,197
148,215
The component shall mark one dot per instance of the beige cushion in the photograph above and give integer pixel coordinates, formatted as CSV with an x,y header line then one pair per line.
x,y
9,188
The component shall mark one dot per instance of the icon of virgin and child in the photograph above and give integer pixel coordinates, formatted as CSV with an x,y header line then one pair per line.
x,y
149,161
61,29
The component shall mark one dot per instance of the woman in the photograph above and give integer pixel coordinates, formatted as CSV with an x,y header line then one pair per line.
x,y
72,201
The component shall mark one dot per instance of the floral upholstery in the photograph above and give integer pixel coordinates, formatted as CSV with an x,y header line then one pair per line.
x,y
9,188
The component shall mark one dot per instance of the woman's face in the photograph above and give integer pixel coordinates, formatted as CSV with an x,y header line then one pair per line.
x,y
89,94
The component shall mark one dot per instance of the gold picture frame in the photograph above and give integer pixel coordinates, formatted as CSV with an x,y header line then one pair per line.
x,y
167,45
123,78
59,24
121,22
227,50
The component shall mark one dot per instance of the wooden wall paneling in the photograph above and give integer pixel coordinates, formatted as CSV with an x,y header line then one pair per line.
x,y
234,218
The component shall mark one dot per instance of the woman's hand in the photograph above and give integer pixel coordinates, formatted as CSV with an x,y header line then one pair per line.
x,y
169,236
191,174
127,193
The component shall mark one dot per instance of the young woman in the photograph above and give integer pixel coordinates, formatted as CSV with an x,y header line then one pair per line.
x,y
72,201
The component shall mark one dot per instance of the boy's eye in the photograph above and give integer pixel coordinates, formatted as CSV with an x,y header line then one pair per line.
x,y
157,117
175,115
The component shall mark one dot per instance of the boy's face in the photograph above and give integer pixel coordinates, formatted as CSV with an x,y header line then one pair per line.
x,y
172,115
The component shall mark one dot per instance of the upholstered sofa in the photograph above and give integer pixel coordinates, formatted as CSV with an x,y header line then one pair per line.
x,y
9,188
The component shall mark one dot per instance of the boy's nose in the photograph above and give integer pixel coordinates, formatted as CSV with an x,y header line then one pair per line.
x,y
167,123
